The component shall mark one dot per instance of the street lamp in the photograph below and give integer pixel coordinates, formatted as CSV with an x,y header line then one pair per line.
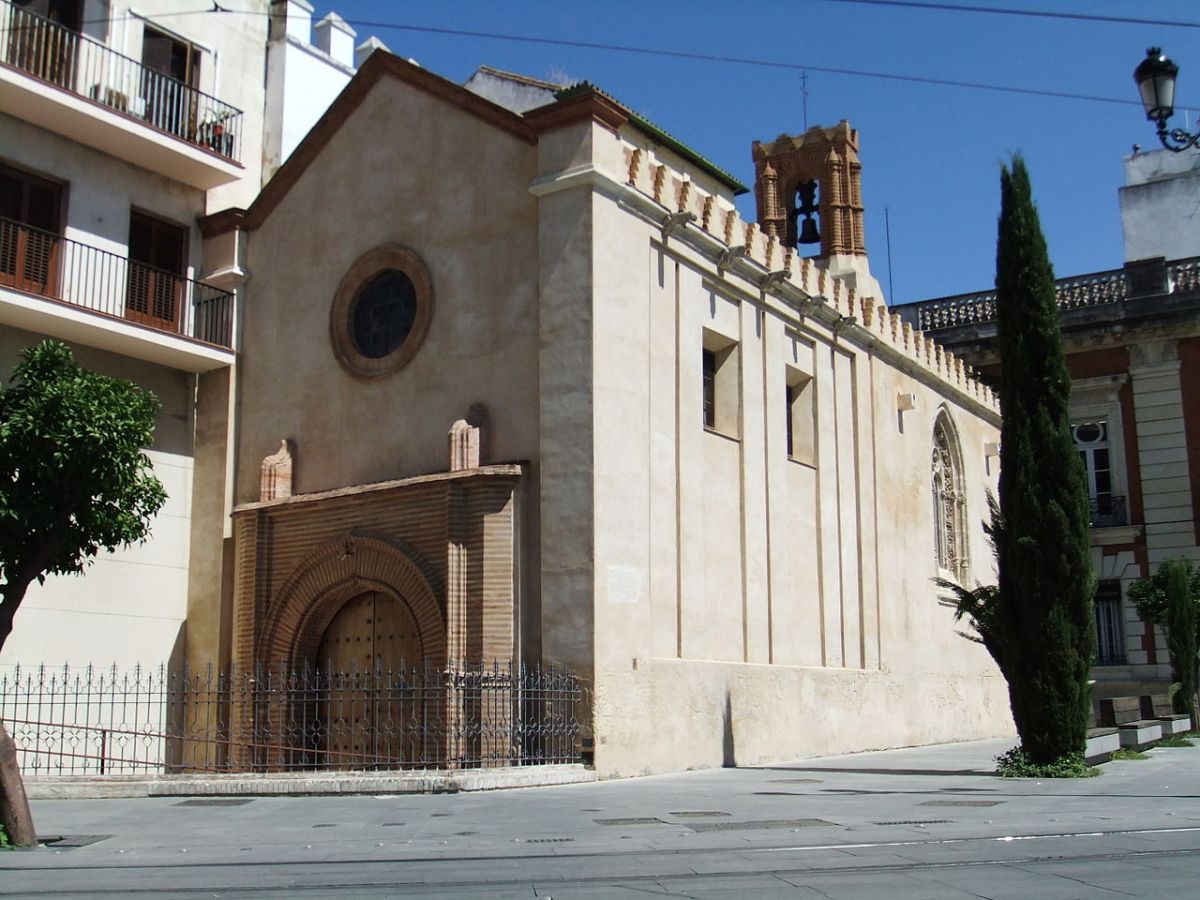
x,y
1155,77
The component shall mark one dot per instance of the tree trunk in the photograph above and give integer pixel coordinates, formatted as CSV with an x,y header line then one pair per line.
x,y
14,805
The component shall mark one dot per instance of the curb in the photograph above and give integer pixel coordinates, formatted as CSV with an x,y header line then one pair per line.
x,y
303,783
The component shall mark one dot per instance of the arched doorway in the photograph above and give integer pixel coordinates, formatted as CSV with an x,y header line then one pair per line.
x,y
370,659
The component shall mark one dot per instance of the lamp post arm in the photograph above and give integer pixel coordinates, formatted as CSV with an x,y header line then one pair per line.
x,y
1176,139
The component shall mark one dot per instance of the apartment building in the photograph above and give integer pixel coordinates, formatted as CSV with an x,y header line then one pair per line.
x,y
121,124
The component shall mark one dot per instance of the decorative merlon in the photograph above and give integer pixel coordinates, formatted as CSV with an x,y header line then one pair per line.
x,y
808,285
275,481
466,440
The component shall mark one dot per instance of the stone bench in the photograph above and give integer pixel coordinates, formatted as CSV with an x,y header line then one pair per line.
x,y
1125,714
1159,707
1100,745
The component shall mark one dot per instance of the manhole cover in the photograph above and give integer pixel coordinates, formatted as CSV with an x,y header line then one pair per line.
x,y
216,801
962,802
759,825
697,813
635,820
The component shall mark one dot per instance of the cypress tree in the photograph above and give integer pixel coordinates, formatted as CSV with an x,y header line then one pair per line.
x,y
1181,637
1044,597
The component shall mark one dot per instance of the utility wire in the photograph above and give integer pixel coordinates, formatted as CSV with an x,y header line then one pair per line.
x,y
737,60
1038,13
712,57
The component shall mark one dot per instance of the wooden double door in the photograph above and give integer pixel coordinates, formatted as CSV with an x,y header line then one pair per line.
x,y
377,700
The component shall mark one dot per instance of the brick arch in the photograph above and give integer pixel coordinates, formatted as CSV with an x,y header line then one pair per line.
x,y
312,595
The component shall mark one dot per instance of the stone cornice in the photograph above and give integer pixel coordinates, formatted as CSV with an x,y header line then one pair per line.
x,y
500,470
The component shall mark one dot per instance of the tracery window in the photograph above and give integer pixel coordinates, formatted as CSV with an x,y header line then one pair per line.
x,y
949,502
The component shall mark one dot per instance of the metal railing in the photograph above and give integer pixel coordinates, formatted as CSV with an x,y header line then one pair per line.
x,y
154,721
1095,289
1107,511
47,264
88,68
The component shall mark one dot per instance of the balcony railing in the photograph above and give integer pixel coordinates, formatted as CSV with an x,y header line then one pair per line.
x,y
87,68
1095,289
46,264
1107,511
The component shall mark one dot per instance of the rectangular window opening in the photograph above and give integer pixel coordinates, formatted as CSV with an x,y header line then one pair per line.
x,y
800,416
1110,634
721,390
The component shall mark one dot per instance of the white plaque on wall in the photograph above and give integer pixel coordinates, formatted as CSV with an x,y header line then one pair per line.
x,y
624,584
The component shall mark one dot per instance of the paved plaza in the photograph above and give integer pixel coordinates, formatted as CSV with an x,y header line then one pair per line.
x,y
928,823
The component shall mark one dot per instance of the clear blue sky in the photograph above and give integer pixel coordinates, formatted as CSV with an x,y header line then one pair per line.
x,y
931,153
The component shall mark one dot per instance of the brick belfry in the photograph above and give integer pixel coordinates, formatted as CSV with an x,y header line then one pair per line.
x,y
785,170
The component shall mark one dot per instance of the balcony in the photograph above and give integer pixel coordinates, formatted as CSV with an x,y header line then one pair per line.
x,y
1107,511
98,298
1098,289
70,84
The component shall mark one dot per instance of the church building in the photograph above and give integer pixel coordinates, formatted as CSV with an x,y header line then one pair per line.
x,y
524,386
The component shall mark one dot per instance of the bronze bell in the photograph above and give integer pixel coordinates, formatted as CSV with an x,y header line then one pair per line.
x,y
808,232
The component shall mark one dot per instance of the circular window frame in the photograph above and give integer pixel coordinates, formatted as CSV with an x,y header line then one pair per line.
x,y
341,314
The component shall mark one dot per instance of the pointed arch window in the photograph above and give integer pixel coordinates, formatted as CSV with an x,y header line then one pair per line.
x,y
949,502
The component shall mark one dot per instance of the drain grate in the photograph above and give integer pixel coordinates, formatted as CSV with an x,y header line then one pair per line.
x,y
216,801
697,813
326,825
634,820
962,803
549,840
915,822
71,841
392,824
759,825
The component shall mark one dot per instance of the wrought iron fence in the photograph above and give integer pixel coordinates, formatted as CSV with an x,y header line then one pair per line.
x,y
87,721
44,263
86,67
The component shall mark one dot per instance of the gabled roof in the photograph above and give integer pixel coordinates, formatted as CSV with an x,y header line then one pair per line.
x,y
379,65
571,104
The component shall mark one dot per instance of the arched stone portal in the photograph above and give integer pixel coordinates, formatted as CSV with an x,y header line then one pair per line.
x,y
442,546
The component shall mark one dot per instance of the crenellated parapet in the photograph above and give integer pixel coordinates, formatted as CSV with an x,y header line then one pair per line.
x,y
807,286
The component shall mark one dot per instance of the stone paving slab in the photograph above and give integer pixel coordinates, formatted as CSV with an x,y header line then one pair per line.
x,y
1139,816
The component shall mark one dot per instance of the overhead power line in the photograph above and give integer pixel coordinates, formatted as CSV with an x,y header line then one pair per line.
x,y
1038,13
736,60
713,57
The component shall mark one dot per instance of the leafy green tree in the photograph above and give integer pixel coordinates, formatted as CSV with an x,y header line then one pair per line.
x,y
1037,623
1149,595
1151,598
73,480
1181,616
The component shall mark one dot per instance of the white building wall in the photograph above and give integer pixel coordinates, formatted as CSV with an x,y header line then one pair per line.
x,y
1159,211
128,607
749,607
302,81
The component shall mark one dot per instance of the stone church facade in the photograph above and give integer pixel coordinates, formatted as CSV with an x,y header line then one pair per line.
x,y
525,387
